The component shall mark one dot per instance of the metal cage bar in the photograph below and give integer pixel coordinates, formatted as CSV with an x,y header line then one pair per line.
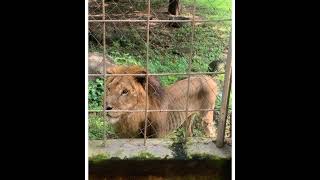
x,y
155,21
104,68
147,75
225,98
160,74
189,69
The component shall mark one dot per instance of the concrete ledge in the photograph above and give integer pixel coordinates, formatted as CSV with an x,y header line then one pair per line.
x,y
157,149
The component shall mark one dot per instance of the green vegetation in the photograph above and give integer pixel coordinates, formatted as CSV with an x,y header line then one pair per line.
x,y
97,128
145,156
211,9
95,96
98,158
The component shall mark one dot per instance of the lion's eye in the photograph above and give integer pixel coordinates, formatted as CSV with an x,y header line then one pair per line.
x,y
124,92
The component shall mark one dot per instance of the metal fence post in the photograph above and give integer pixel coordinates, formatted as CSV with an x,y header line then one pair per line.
x,y
225,98
147,75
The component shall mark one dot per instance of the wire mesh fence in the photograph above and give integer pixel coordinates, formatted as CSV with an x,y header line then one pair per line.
x,y
177,78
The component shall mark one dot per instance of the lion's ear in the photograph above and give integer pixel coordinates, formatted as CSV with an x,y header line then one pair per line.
x,y
110,70
141,79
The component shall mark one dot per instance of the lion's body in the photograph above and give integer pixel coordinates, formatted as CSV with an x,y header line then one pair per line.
x,y
202,95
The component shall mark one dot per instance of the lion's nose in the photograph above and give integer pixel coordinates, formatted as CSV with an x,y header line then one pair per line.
x,y
108,108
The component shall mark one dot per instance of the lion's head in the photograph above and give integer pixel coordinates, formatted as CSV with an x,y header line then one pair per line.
x,y
128,92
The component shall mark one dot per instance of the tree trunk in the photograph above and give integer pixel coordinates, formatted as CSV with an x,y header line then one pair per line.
x,y
174,7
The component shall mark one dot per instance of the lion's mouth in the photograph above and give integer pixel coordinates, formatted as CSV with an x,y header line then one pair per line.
x,y
109,116
113,119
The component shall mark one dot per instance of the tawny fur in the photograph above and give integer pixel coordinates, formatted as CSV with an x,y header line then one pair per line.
x,y
202,95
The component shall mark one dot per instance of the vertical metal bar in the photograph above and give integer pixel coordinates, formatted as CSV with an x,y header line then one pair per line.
x,y
147,76
189,65
104,71
228,98
225,98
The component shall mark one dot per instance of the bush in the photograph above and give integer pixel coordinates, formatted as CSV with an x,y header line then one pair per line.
x,y
98,128
95,96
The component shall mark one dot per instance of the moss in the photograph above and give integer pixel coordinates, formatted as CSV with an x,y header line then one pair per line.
x,y
141,156
215,160
203,156
114,158
144,156
99,157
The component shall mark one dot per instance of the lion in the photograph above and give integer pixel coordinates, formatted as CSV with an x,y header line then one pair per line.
x,y
128,93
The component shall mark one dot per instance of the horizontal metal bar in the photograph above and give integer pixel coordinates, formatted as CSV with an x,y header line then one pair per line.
x,y
158,74
96,75
96,15
155,21
153,110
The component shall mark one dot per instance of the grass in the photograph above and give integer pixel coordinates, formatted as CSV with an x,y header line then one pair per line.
x,y
211,9
170,51
98,128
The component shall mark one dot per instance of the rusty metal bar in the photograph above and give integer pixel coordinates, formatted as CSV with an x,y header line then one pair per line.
x,y
95,15
102,75
153,110
189,69
155,21
159,74
147,75
225,98
104,69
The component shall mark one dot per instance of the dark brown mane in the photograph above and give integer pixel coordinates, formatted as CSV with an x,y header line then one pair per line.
x,y
154,87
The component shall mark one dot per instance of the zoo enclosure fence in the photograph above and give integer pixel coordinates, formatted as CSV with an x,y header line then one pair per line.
x,y
102,19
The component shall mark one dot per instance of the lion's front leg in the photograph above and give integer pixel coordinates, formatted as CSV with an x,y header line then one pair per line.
x,y
209,124
189,122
